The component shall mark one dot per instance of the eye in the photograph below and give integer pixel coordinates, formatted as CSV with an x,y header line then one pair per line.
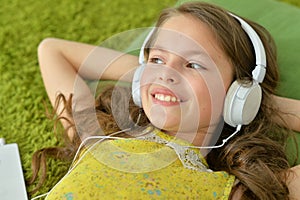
x,y
156,60
195,65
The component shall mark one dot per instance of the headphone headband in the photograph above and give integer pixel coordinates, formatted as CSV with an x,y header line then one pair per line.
x,y
259,72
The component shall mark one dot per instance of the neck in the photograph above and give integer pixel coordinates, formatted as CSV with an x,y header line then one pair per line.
x,y
203,137
192,137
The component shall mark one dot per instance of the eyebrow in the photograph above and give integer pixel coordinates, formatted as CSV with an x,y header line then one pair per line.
x,y
182,53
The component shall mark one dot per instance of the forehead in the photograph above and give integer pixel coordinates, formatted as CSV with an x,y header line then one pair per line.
x,y
189,33
177,42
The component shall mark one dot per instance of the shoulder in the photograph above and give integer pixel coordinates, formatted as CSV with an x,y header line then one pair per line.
x,y
293,182
237,191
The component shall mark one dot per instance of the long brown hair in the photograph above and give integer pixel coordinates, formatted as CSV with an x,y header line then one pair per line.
x,y
256,156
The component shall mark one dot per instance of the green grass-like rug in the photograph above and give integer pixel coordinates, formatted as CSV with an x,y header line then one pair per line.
x,y
23,24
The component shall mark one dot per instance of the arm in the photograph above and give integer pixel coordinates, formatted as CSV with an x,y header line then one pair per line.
x,y
65,63
291,108
294,182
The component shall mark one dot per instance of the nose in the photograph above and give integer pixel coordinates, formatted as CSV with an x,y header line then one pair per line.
x,y
169,74
167,78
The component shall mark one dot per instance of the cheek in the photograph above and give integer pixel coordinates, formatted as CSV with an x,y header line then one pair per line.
x,y
227,75
227,82
210,98
203,101
144,95
146,101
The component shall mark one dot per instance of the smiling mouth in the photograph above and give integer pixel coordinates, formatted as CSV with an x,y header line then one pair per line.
x,y
166,98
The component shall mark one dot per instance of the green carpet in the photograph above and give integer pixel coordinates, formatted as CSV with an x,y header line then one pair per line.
x,y
23,25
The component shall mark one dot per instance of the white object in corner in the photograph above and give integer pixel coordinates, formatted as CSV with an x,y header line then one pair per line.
x,y
12,184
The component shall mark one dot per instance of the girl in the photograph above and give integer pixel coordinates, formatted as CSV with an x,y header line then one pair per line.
x,y
192,60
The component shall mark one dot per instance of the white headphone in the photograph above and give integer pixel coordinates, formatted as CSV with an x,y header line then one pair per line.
x,y
242,101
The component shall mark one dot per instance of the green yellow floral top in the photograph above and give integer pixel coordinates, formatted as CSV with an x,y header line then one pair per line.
x,y
153,166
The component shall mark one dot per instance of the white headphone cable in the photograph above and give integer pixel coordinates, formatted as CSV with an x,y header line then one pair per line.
x,y
101,137
72,166
238,128
111,136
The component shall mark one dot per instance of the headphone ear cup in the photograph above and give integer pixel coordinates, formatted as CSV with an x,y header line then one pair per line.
x,y
242,103
136,85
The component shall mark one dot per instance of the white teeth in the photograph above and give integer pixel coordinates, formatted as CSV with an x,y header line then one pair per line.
x,y
166,98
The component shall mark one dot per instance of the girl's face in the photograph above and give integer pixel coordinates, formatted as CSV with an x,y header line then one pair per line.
x,y
185,80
